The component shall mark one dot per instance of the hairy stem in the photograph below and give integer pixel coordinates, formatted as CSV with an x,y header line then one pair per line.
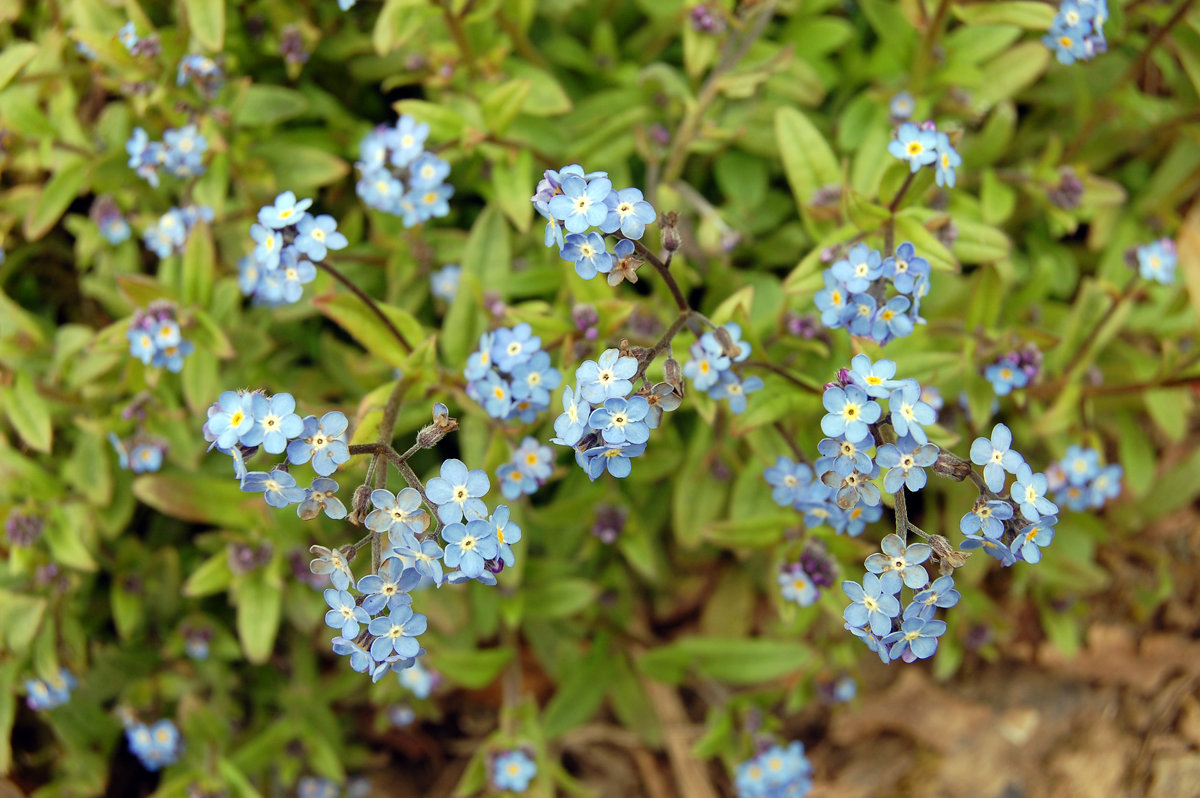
x,y
369,302
648,256
901,514
660,346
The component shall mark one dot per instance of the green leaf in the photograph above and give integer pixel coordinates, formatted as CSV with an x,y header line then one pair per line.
x,y
28,412
199,266
461,327
65,536
301,167
213,576
263,104
20,617
808,161
1010,73
259,601
909,228
980,243
732,660
201,499
511,179
580,694
444,122
397,23
487,254
472,668
60,191
757,532
1031,15
128,610
8,711
502,104
236,780
14,58
559,598
349,313
207,21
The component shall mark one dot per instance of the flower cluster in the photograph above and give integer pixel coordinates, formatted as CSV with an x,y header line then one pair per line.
x,y
139,47
576,202
711,366
1014,370
155,338
1081,483
605,425
108,218
287,241
801,582
240,423
510,376
42,695
855,288
923,145
477,545
775,772
170,233
846,464
202,72
795,485
155,746
1078,31
23,529
140,455
398,176
512,770
180,153
443,283
1013,529
527,470
1156,261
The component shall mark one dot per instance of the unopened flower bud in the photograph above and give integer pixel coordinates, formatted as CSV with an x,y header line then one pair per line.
x,y
361,504
951,465
947,556
674,375
670,235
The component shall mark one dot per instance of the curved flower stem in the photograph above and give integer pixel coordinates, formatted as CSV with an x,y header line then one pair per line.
x,y
889,227
1109,103
914,528
648,256
369,302
925,54
459,34
650,355
735,48
782,372
797,452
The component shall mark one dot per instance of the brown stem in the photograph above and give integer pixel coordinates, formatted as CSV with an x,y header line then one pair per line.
x,y
660,346
369,302
782,372
925,54
648,256
797,452
1134,69
460,36
901,514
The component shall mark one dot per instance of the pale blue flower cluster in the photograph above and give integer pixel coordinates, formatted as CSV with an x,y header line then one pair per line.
x,y
169,235
527,470
1078,31
288,240
775,772
575,201
710,367
397,175
155,338
1081,483
855,292
510,376
180,153
155,746
42,695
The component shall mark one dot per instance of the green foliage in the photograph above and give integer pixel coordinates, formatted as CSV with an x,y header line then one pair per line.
x,y
768,138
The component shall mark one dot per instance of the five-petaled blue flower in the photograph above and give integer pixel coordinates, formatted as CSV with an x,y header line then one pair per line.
x,y
400,515
321,441
616,458
622,420
397,633
279,488
275,422
861,267
909,414
317,235
587,252
344,614
850,411
986,518
876,379
388,588
1030,541
735,390
789,481
573,422
939,593
1029,491
917,638
582,203
905,267
900,564
469,546
948,160
606,378
905,466
871,606
321,496
914,145
996,456
630,214
286,211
